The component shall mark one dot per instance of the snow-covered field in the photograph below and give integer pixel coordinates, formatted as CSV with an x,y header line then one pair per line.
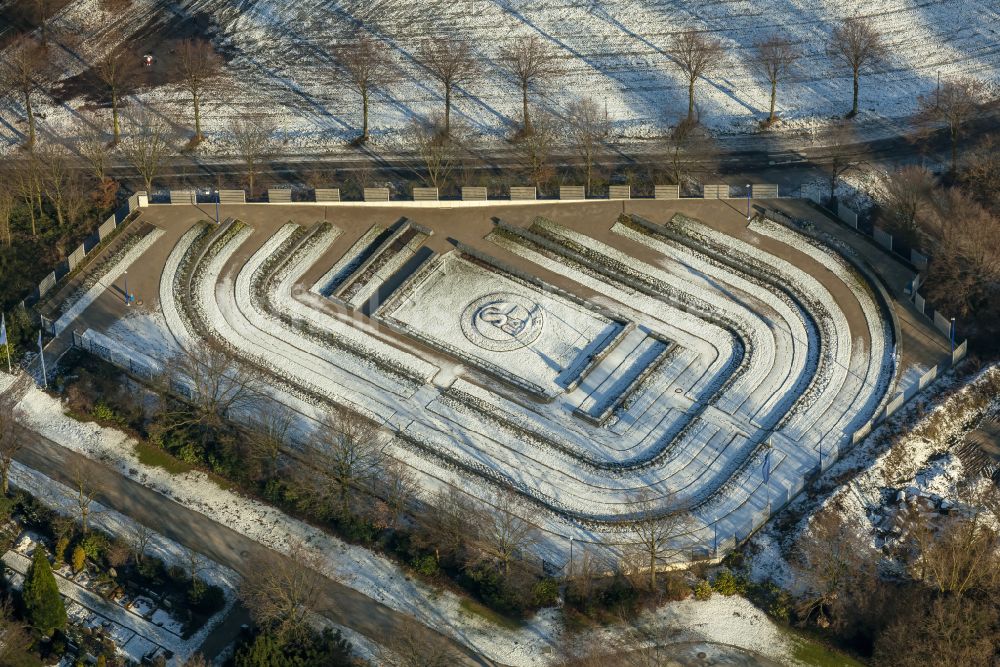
x,y
614,51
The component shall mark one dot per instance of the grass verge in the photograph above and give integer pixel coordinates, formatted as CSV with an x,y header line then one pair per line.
x,y
809,651
477,609
151,455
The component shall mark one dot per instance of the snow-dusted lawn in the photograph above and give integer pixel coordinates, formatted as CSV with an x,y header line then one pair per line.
x,y
451,303
614,51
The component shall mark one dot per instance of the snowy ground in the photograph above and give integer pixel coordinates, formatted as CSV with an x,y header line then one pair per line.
x,y
732,621
539,337
613,51
923,469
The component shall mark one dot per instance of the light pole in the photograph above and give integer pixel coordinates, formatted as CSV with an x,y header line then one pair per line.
x,y
216,207
570,573
951,335
128,302
748,201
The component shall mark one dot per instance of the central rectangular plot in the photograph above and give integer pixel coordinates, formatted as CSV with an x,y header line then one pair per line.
x,y
538,339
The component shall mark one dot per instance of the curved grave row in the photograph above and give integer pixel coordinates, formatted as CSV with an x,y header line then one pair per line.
x,y
771,363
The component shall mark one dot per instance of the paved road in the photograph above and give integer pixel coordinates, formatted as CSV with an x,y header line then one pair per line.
x,y
884,140
196,531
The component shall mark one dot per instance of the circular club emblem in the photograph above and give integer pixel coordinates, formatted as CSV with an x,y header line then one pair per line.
x,y
502,322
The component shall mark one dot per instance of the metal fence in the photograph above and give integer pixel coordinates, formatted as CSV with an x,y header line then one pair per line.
x,y
183,197
666,192
97,344
327,194
474,193
232,196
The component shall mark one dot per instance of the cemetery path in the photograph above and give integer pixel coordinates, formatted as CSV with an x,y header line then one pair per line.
x,y
340,604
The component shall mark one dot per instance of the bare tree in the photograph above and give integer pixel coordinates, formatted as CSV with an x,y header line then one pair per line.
x,y
453,63
946,630
348,452
15,639
907,193
268,435
364,65
282,592
858,45
696,54
62,183
83,496
28,185
10,444
534,152
26,59
449,526
955,554
981,173
532,63
775,57
220,388
953,104
92,145
413,645
254,139
147,145
589,129
504,534
836,565
964,243
117,71
653,535
8,200
43,10
439,153
138,538
398,487
843,157
198,66
690,149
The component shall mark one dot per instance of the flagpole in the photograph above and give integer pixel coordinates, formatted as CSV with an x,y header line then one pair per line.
x,y
6,341
41,354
